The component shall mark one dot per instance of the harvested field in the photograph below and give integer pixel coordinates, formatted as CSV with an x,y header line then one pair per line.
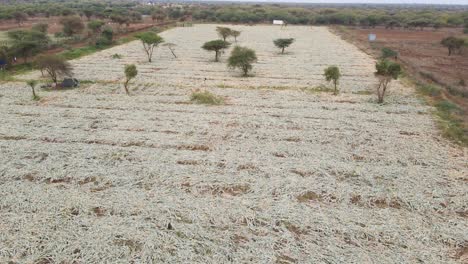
x,y
276,175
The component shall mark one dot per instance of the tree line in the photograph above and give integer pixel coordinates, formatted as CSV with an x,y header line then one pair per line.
x,y
127,12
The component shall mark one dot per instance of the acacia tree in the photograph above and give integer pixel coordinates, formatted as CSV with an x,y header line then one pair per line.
x,y
283,43
217,46
54,66
333,74
452,44
171,47
26,43
20,17
32,84
224,32
130,73
71,25
235,34
150,40
242,58
95,26
386,72
41,27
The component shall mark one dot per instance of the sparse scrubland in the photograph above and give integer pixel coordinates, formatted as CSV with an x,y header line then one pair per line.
x,y
282,171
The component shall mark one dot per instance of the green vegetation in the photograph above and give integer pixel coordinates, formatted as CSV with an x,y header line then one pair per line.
x,y
71,25
130,73
242,58
429,89
205,97
386,72
55,66
32,84
217,46
283,43
332,74
150,40
389,53
453,44
224,32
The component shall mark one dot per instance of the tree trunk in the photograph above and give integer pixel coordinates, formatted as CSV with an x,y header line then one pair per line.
x,y
282,51
34,92
336,91
126,87
216,55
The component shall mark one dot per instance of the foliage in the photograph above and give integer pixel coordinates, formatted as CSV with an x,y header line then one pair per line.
x,y
150,40
216,46
283,43
41,27
130,73
32,84
429,89
55,66
116,56
235,34
95,26
389,53
71,25
333,74
242,58
224,32
453,44
206,97
386,72
26,43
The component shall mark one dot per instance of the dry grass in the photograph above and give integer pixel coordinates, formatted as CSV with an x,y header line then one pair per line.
x,y
276,175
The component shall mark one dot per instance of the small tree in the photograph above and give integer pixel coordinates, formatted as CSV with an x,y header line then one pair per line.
x,y
386,72
130,73
54,66
389,53
26,43
150,40
71,25
171,47
242,58
32,84
20,17
333,74
217,46
283,43
235,34
452,44
224,32
95,26
41,27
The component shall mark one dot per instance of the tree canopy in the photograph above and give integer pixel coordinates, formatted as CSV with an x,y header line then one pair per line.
x,y
283,43
333,74
242,58
216,46
453,44
55,66
150,40
386,71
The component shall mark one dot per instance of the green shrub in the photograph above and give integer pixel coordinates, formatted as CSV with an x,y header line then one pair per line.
x,y
389,53
448,107
429,89
205,97
116,56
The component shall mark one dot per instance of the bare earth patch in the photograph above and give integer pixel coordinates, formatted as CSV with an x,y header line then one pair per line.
x,y
275,176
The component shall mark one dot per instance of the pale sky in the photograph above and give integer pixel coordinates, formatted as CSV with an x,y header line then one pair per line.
x,y
446,2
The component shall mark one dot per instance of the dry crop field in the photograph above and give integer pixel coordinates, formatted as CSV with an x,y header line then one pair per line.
x,y
281,173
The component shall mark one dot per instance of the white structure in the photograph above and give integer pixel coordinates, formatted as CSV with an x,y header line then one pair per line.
x,y
278,22
372,37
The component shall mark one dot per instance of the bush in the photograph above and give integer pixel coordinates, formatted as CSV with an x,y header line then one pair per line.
x,y
389,53
448,107
103,42
429,89
206,97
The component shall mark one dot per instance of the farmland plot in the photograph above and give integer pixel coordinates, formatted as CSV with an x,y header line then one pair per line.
x,y
273,176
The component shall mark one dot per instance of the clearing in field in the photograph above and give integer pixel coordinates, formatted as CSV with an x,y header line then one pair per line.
x,y
279,173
